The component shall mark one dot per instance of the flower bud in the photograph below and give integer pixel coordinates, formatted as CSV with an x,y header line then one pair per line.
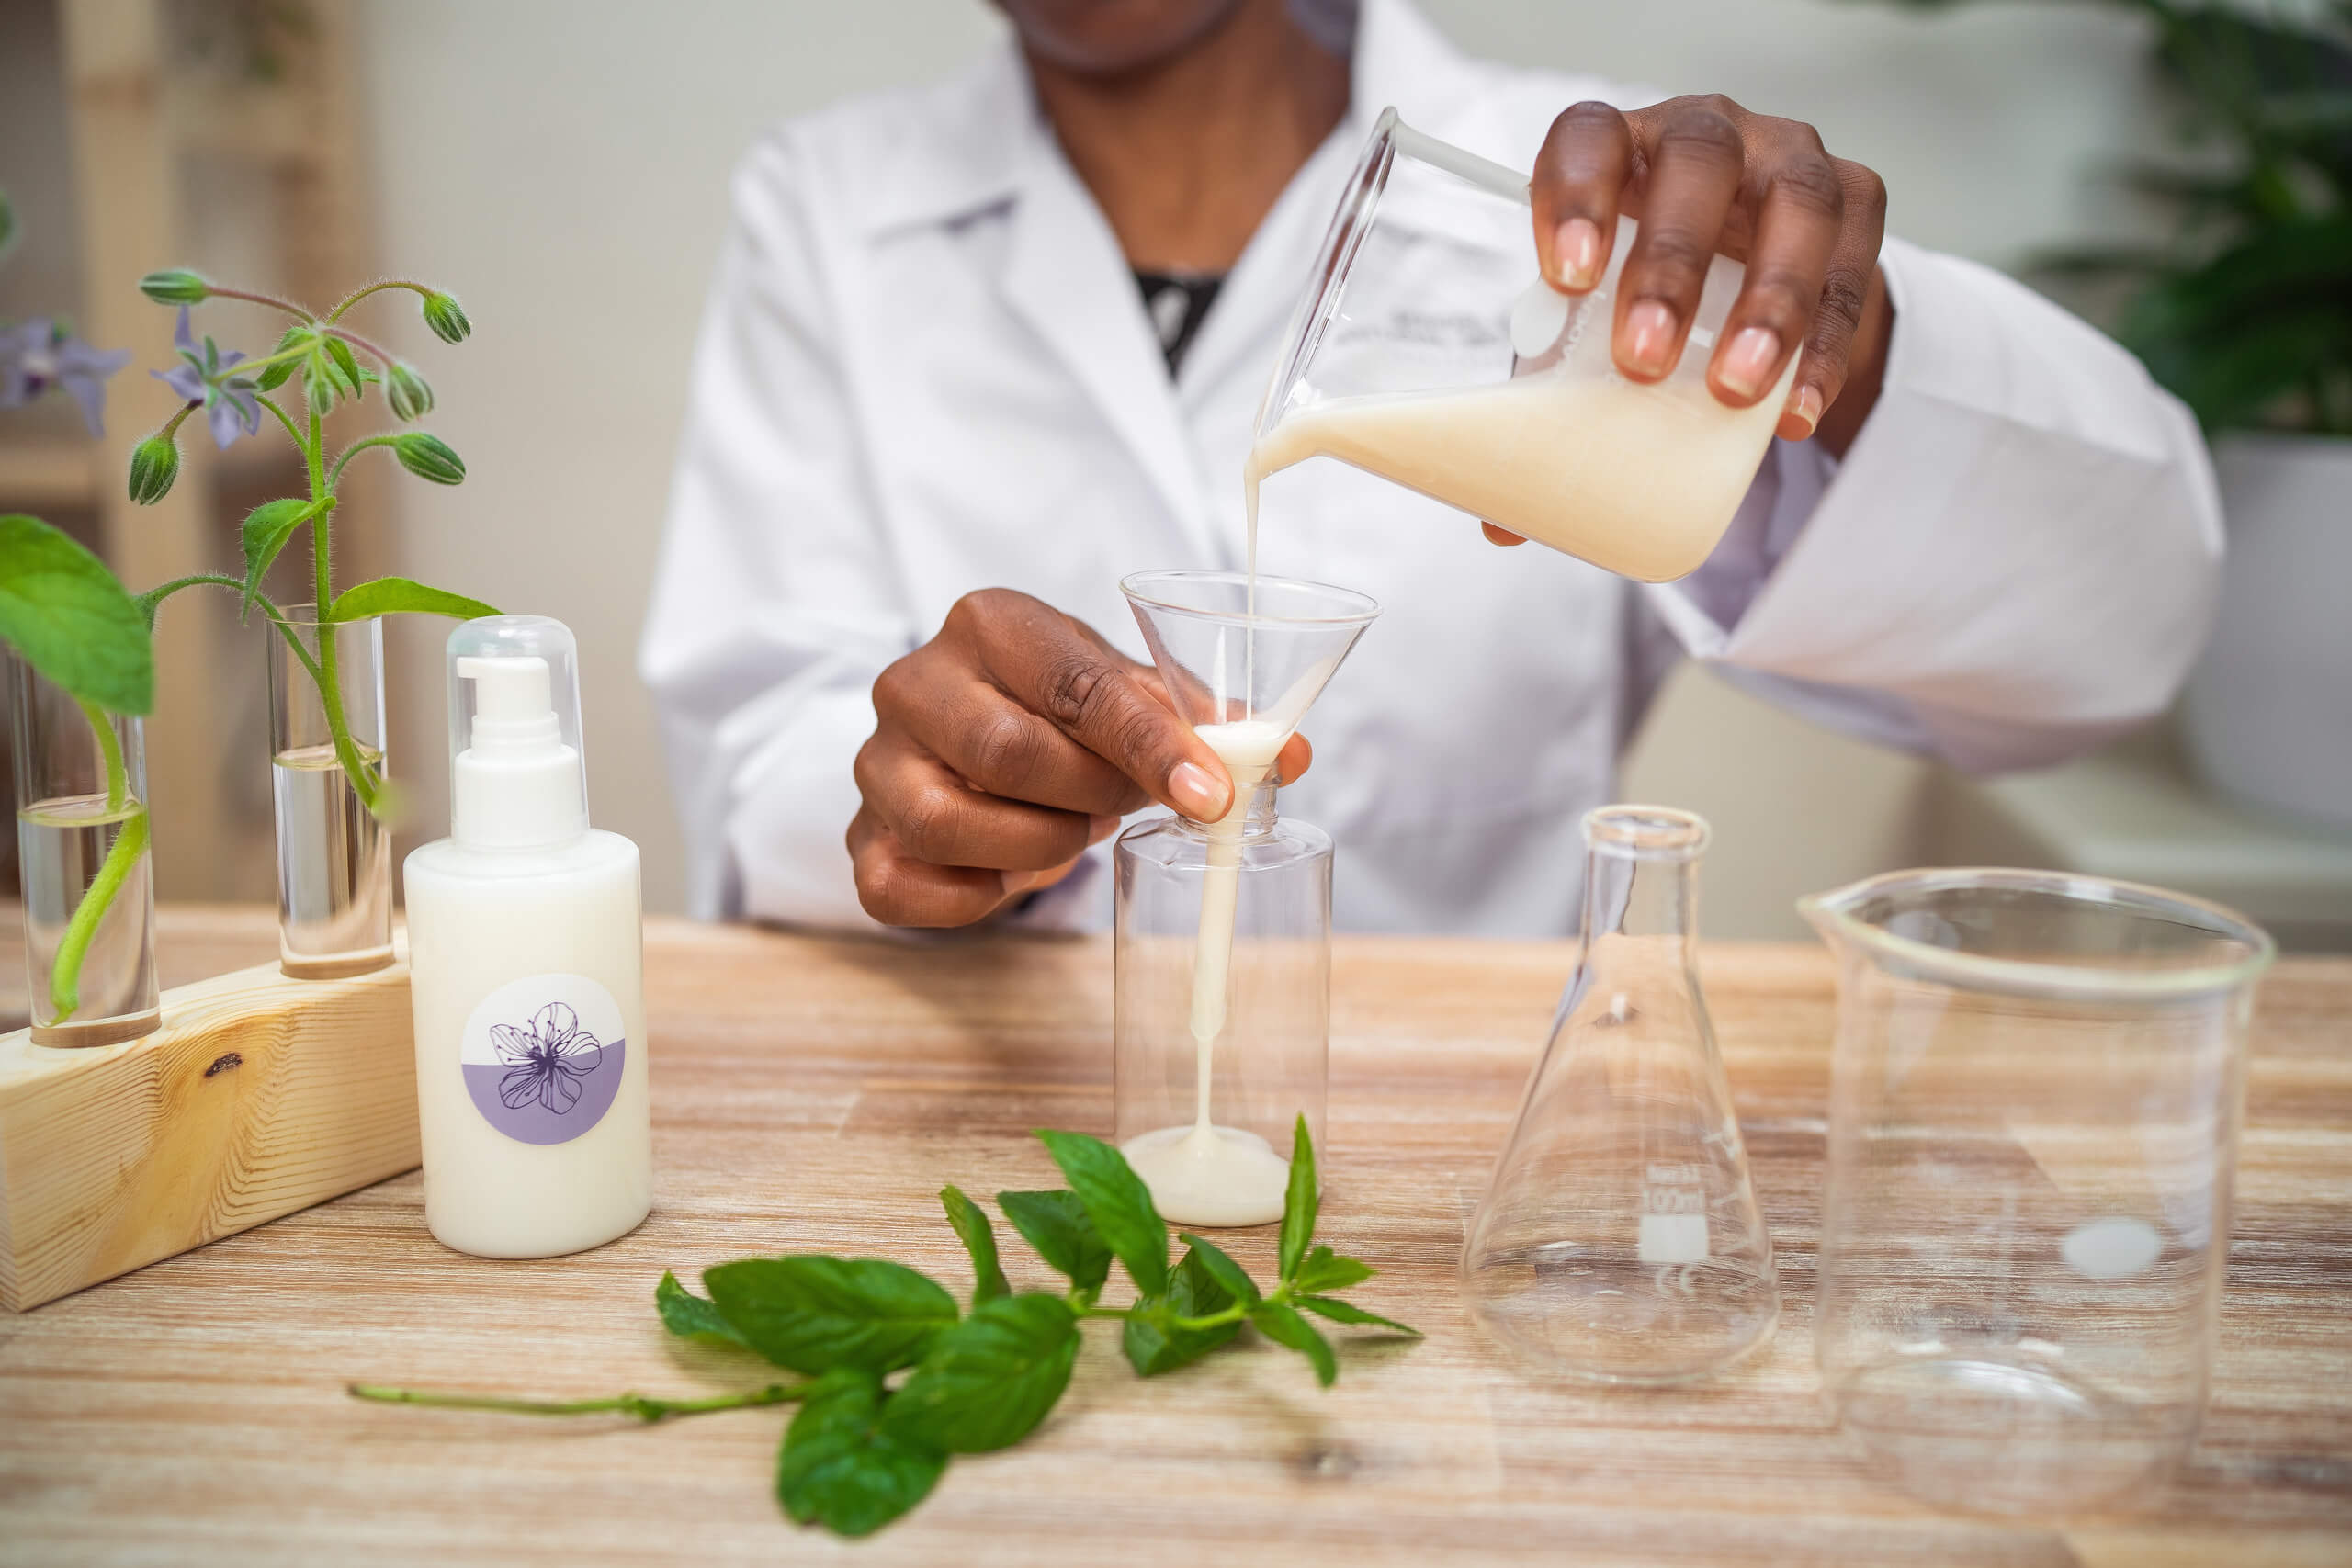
x,y
175,286
428,457
155,464
446,317
411,395
318,383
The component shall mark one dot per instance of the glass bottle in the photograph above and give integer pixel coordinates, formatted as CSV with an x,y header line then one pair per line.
x,y
334,855
1208,1126
82,846
1620,1239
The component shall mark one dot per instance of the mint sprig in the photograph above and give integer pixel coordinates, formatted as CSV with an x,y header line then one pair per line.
x,y
868,1444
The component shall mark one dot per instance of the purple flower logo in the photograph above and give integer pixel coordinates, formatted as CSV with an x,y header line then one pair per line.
x,y
546,1059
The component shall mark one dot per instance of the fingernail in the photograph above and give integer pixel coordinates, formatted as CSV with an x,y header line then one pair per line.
x,y
1806,406
1649,329
1575,251
1196,793
1748,361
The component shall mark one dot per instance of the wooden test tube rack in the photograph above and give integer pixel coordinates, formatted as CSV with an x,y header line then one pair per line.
x,y
257,1095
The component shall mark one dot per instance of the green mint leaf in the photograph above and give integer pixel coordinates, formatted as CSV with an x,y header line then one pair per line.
x,y
69,619
986,1382
1283,1326
979,1240
1339,1310
345,366
1152,1342
813,1312
689,1317
1224,1270
1119,1204
839,1469
1056,1223
400,595
267,530
1299,1204
1323,1272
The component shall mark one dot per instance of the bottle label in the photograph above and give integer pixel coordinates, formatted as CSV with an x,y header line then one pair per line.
x,y
542,1057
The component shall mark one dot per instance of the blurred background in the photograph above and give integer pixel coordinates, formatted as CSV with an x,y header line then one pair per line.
x,y
562,164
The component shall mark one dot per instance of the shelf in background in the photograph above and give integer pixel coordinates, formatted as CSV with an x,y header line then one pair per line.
x,y
2133,813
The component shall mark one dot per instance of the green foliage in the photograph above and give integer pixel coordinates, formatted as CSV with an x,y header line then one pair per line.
x,y
403,596
1118,1203
265,531
69,618
859,1454
1299,1202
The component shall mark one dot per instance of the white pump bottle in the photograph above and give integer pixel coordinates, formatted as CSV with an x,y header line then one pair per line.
x,y
527,969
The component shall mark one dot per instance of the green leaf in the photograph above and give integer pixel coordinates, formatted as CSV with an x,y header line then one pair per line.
x,y
838,1467
1299,1202
1224,1270
347,367
267,527
979,1240
1339,1310
1119,1204
1152,1341
1284,1327
689,1317
1323,1272
986,1382
400,595
275,376
1056,1223
69,619
812,1313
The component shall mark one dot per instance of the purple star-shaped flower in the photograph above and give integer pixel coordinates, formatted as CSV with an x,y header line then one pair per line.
x,y
37,355
202,377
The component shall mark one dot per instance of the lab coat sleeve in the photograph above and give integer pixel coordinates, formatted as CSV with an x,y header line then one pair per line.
x,y
774,602
2016,559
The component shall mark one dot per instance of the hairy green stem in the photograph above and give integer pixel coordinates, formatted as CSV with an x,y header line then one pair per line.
x,y
283,417
346,751
355,340
636,1405
130,844
335,475
277,617
376,288
272,300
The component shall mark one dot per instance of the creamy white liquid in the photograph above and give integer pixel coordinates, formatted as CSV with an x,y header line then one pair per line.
x,y
1640,480
1204,1174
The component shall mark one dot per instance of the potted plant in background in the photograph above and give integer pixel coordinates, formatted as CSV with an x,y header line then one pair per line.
x,y
2246,315
333,798
81,672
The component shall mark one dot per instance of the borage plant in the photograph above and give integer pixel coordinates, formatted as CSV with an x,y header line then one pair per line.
x,y
233,391
895,1378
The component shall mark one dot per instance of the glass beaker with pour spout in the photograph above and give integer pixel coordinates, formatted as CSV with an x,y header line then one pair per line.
x,y
1620,1240
2033,1124
1427,349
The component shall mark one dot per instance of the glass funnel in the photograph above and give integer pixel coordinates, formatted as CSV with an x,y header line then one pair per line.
x,y
1620,1240
1224,928
2033,1125
1427,350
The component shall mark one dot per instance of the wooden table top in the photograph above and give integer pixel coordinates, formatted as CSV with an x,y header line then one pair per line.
x,y
814,1095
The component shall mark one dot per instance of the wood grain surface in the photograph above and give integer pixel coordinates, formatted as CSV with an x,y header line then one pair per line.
x,y
814,1095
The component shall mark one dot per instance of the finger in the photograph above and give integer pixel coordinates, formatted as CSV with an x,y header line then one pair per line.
x,y
1687,191
937,817
899,890
1847,286
1086,691
1579,176
1799,217
1296,756
1500,535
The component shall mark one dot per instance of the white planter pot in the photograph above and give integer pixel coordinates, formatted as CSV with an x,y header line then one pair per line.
x,y
2268,715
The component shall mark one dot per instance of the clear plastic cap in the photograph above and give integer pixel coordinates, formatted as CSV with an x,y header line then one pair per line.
x,y
518,775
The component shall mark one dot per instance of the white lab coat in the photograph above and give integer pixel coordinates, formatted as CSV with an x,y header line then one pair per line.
x,y
926,369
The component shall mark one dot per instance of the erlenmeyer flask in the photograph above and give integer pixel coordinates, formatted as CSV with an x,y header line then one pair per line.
x,y
1620,1240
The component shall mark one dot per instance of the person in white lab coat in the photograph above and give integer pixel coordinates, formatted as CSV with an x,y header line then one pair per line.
x,y
976,351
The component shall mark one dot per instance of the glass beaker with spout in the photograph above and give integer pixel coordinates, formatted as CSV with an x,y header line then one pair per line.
x,y
1427,350
1620,1240
2034,1123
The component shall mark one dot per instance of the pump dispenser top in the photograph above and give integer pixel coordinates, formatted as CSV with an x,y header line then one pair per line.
x,y
516,776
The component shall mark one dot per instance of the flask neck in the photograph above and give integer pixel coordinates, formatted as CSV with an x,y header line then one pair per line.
x,y
1255,810
1641,874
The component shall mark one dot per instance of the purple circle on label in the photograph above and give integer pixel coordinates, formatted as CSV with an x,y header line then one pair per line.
x,y
542,1102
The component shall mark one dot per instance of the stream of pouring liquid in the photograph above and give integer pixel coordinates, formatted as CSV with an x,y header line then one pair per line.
x,y
1204,1174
